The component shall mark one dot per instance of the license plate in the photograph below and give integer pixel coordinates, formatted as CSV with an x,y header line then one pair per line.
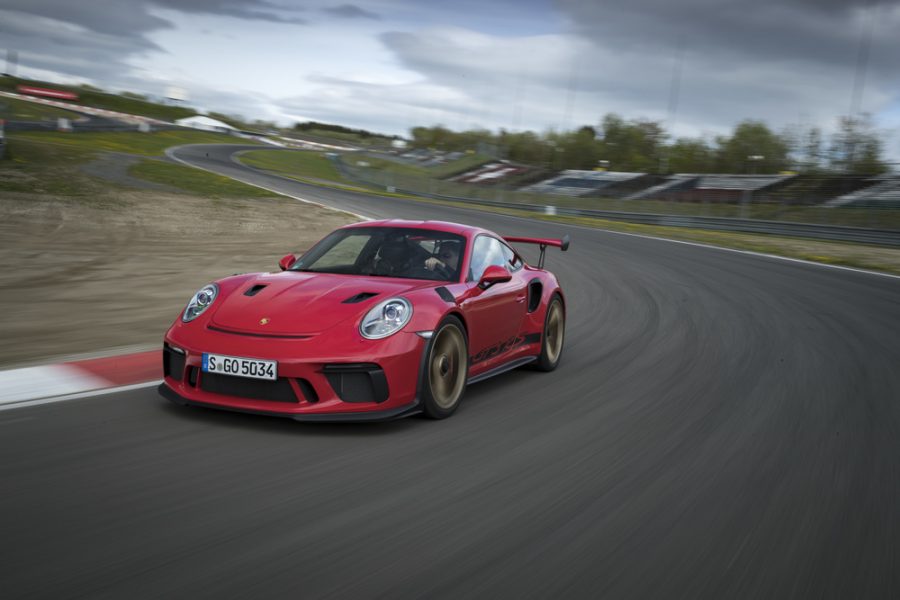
x,y
254,368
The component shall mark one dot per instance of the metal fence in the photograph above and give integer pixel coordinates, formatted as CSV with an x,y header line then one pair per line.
x,y
92,124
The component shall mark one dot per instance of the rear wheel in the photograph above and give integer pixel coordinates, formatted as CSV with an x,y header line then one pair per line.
x,y
553,335
446,369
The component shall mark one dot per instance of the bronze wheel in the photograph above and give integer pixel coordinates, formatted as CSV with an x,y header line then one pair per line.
x,y
446,369
553,335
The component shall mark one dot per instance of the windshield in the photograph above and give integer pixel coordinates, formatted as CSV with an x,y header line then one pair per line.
x,y
387,252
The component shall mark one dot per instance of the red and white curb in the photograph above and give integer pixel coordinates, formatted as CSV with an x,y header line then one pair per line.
x,y
20,387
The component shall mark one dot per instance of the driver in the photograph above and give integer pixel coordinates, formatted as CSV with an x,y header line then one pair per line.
x,y
447,259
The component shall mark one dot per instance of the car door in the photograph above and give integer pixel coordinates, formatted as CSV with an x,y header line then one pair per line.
x,y
495,314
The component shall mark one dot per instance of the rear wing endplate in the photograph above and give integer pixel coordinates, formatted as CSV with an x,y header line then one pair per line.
x,y
562,244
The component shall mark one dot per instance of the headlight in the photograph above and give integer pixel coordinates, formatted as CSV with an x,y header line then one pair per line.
x,y
386,318
200,302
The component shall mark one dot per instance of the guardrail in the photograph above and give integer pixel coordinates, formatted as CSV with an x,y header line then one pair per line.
x,y
92,124
883,237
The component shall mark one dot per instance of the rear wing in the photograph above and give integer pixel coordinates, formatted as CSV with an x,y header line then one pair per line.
x,y
562,244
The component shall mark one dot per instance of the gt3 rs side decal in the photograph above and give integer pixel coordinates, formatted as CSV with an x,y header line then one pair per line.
x,y
505,346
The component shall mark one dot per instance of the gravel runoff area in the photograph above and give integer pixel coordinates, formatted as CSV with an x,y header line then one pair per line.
x,y
113,271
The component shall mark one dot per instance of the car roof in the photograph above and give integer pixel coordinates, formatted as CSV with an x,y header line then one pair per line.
x,y
442,226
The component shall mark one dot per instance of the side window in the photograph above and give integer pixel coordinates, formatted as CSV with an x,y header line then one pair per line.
x,y
512,262
487,251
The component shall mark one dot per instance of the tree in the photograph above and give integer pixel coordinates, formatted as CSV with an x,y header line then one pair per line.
x,y
579,149
431,137
635,145
691,155
856,148
811,161
752,148
524,147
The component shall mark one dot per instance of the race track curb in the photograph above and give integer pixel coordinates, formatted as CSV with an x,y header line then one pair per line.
x,y
64,379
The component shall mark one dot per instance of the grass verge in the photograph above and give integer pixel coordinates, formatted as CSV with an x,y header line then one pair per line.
x,y
297,164
397,167
57,164
12,109
861,256
194,181
36,167
132,142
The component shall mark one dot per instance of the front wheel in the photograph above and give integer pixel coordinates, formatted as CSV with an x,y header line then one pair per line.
x,y
446,369
554,333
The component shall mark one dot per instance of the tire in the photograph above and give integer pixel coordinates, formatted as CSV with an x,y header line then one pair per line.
x,y
553,335
445,369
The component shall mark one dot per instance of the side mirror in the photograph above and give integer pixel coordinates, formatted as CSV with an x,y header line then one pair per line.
x,y
493,274
286,262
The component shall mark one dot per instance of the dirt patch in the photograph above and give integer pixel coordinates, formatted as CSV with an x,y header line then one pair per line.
x,y
113,167
78,276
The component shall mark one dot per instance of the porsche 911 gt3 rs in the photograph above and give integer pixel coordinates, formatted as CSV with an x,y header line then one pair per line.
x,y
378,320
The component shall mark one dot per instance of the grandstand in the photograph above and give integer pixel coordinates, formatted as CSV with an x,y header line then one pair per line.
x,y
693,187
671,184
817,188
882,192
491,173
580,183
429,158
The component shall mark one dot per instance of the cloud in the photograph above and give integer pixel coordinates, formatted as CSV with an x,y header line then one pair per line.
x,y
93,38
257,10
51,44
351,11
777,61
505,64
97,40
381,107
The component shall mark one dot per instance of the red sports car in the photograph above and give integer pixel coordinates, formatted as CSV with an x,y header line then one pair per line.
x,y
378,320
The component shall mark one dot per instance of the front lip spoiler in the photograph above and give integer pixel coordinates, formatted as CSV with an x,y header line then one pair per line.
x,y
380,415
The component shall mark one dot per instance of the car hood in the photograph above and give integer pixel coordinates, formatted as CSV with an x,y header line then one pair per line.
x,y
298,303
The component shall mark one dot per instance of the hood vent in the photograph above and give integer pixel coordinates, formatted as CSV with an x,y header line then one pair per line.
x,y
255,289
359,297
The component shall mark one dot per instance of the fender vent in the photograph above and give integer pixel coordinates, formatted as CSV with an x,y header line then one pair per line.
x,y
445,295
535,289
255,289
359,297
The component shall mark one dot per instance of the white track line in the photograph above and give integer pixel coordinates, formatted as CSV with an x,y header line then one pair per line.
x,y
737,250
687,243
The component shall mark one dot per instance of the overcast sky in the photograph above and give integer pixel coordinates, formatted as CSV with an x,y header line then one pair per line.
x,y
388,65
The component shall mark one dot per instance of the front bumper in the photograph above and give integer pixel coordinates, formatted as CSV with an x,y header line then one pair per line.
x,y
375,415
375,380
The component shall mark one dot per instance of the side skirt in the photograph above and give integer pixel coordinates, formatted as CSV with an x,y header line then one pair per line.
x,y
513,364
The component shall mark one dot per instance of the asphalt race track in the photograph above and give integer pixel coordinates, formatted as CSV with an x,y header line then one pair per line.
x,y
723,425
